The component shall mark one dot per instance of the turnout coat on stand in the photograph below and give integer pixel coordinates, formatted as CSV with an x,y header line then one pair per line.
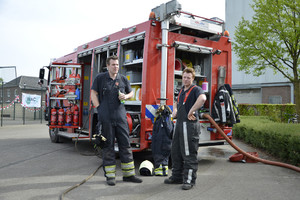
x,y
222,111
162,138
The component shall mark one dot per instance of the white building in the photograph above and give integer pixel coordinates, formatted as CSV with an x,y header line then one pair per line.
x,y
267,88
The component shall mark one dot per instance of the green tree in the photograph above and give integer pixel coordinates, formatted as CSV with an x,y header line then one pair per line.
x,y
271,40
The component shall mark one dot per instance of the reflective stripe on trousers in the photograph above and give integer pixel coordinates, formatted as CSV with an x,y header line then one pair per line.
x,y
190,176
185,139
110,171
161,171
128,169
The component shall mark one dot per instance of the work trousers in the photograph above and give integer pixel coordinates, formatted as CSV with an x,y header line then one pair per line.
x,y
119,131
185,147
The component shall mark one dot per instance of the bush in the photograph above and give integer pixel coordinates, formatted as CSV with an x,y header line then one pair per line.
x,y
279,139
275,112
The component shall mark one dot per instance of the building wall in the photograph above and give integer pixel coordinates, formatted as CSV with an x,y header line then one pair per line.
x,y
270,94
235,10
251,96
12,91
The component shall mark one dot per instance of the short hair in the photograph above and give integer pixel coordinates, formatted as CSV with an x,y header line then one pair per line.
x,y
113,57
189,70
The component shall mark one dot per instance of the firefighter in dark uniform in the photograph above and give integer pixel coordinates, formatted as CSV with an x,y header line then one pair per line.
x,y
186,133
109,89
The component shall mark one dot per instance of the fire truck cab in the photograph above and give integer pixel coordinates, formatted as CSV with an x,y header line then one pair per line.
x,y
152,55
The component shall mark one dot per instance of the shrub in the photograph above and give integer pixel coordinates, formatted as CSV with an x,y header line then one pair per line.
x,y
279,139
275,112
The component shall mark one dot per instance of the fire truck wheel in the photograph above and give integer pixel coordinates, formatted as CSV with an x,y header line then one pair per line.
x,y
53,133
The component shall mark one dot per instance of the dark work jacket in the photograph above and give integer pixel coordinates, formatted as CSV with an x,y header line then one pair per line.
x,y
222,110
162,135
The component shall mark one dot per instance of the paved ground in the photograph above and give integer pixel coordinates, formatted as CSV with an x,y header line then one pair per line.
x,y
31,167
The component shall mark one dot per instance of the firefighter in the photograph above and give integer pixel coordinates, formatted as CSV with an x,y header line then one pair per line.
x,y
186,134
109,90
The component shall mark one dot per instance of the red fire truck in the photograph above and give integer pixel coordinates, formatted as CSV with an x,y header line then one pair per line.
x,y
152,56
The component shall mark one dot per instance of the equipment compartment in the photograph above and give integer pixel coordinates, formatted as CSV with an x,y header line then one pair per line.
x,y
64,94
131,65
202,65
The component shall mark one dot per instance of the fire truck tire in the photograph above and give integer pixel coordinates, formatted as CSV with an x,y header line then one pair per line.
x,y
54,137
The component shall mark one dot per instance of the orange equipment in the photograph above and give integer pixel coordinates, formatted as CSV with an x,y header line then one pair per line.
x,y
53,116
68,117
75,116
61,117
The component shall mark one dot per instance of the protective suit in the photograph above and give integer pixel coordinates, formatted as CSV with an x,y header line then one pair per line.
x,y
186,139
161,141
112,115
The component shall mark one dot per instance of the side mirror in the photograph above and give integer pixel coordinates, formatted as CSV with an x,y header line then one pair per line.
x,y
42,73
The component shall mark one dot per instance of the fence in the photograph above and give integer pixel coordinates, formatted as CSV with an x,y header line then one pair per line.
x,y
14,113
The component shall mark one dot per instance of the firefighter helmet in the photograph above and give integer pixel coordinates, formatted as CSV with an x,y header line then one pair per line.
x,y
146,168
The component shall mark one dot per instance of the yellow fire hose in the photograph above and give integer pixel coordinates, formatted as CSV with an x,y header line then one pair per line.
x,y
280,164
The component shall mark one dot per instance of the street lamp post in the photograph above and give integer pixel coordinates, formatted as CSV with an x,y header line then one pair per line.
x,y
41,115
24,107
2,105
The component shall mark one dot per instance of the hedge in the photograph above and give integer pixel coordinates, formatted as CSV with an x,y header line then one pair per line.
x,y
279,139
275,112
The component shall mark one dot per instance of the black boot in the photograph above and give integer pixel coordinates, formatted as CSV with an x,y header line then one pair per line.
x,y
111,181
132,179
172,180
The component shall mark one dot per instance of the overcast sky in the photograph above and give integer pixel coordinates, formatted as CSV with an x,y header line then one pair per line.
x,y
34,31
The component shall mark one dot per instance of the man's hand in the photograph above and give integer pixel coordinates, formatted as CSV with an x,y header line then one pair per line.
x,y
174,114
191,115
197,105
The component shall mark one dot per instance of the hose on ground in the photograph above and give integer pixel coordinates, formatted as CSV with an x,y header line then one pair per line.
x,y
97,153
280,164
61,197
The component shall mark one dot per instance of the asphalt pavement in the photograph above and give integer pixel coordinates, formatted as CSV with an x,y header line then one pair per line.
x,y
33,168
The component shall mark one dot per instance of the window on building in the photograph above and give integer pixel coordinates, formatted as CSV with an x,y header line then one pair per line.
x,y
8,93
275,99
0,93
16,92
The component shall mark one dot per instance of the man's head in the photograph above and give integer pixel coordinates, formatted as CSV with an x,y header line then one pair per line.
x,y
188,76
112,64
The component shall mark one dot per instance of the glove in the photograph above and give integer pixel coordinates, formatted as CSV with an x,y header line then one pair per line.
x,y
100,140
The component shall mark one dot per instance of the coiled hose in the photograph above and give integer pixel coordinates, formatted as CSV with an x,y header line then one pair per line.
x,y
280,164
